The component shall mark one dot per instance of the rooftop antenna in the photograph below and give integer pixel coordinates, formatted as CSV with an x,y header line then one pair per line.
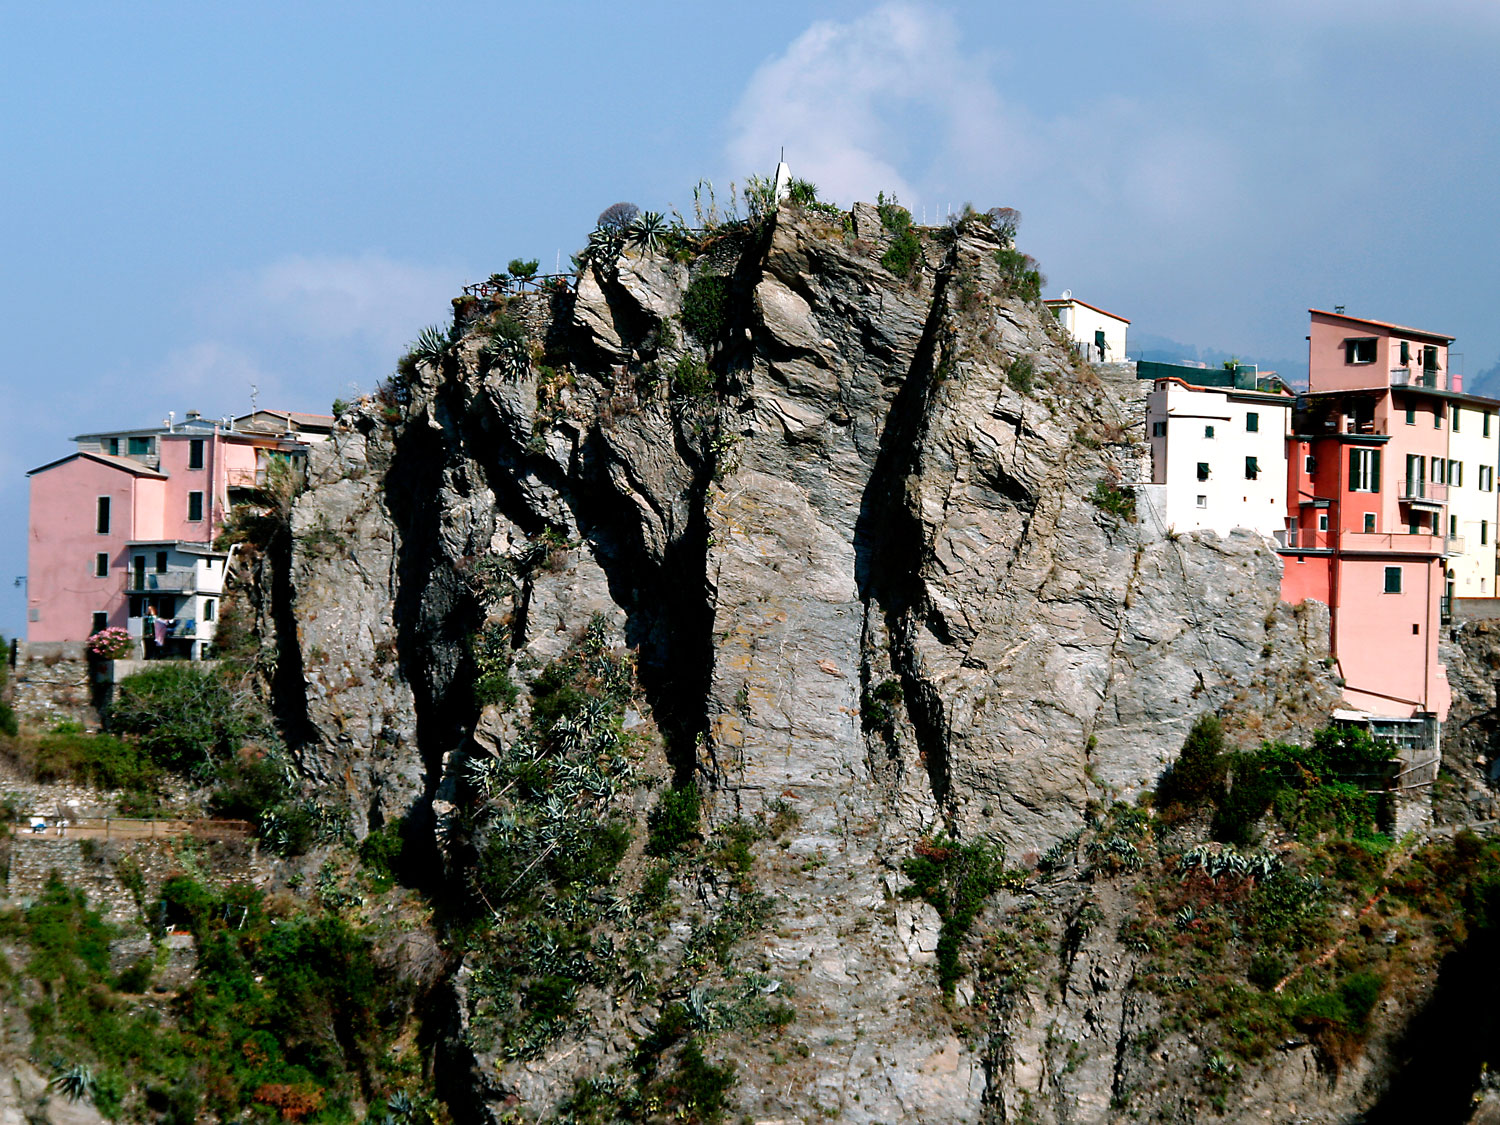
x,y
171,420
254,398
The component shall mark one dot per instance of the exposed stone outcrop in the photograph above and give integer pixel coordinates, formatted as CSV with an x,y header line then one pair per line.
x,y
903,490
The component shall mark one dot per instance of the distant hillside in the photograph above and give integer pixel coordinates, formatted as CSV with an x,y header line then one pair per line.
x,y
1486,382
1146,346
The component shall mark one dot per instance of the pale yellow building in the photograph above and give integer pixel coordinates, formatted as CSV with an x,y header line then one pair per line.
x,y
1469,478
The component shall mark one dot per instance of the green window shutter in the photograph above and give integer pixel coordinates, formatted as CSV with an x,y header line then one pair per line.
x,y
1405,352
1098,337
1374,470
1353,468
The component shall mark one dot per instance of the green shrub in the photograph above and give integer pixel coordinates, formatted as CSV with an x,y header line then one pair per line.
x,y
250,784
384,853
101,760
493,684
519,267
1019,274
1198,773
802,192
1021,374
8,724
903,257
691,378
879,705
673,823
955,879
705,308
1266,970
182,714
594,863
1117,500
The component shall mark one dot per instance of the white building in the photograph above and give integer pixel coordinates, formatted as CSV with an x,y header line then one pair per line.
x,y
1218,448
1098,335
1473,454
181,585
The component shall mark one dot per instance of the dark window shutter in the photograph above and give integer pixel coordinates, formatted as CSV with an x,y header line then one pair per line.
x,y
1353,468
1374,470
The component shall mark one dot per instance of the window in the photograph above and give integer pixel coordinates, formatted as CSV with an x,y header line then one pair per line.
x,y
1405,352
195,506
1310,465
1456,473
1360,350
1158,429
1452,527
1487,478
101,622
1322,521
208,609
1439,471
1429,358
1364,470
1208,431
1411,415
114,446
1369,523
101,518
140,572
1252,422
1202,501
1457,410
195,453
1486,423
1417,526
140,447
161,562
1202,470
1484,531
1393,580
1252,468
101,565
1437,416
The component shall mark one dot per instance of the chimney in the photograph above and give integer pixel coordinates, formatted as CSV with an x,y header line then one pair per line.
x,y
193,416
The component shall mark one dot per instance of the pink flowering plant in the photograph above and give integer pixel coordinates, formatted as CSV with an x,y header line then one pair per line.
x,y
113,643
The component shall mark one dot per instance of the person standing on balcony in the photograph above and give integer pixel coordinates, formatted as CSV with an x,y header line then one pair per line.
x,y
148,632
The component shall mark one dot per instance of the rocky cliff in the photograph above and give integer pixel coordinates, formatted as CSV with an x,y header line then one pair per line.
x,y
871,541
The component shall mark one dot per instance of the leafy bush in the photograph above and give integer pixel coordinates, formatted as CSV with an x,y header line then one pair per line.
x,y
519,267
182,714
954,879
493,684
691,378
251,783
1198,774
8,723
384,852
1117,500
705,308
673,823
1020,274
879,706
1020,374
617,217
904,255
101,760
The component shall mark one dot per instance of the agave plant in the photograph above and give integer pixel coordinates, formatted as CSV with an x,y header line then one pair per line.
x,y
432,346
74,1082
648,231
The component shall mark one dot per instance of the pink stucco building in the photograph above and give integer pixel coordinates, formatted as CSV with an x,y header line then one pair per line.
x,y
1369,529
122,529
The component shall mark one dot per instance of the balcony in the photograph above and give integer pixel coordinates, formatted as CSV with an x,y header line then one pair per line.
x,y
172,582
1303,539
244,478
1417,488
1416,377
1385,542
1454,545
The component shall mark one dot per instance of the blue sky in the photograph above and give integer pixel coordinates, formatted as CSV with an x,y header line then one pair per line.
x,y
195,198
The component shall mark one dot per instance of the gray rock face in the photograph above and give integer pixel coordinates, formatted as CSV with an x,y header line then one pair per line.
x,y
903,493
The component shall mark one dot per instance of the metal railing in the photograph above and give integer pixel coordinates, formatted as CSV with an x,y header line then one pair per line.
x,y
1303,538
173,581
541,283
1454,545
1416,377
244,478
1417,488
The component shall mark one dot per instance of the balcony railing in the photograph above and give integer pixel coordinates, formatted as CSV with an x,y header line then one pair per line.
x,y
1303,538
245,478
1397,542
1454,545
1416,377
173,581
1417,488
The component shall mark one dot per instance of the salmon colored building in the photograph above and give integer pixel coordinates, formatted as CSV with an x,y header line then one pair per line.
x,y
122,530
1367,512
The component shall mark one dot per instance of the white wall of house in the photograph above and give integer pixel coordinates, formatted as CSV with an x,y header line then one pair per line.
x,y
193,585
1198,431
1083,321
1472,460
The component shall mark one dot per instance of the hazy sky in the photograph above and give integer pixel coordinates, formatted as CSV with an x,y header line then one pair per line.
x,y
195,198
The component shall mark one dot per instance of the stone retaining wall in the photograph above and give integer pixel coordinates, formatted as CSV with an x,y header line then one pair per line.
x,y
51,683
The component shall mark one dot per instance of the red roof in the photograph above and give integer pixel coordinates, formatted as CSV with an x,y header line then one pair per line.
x,y
1398,328
125,464
1085,304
